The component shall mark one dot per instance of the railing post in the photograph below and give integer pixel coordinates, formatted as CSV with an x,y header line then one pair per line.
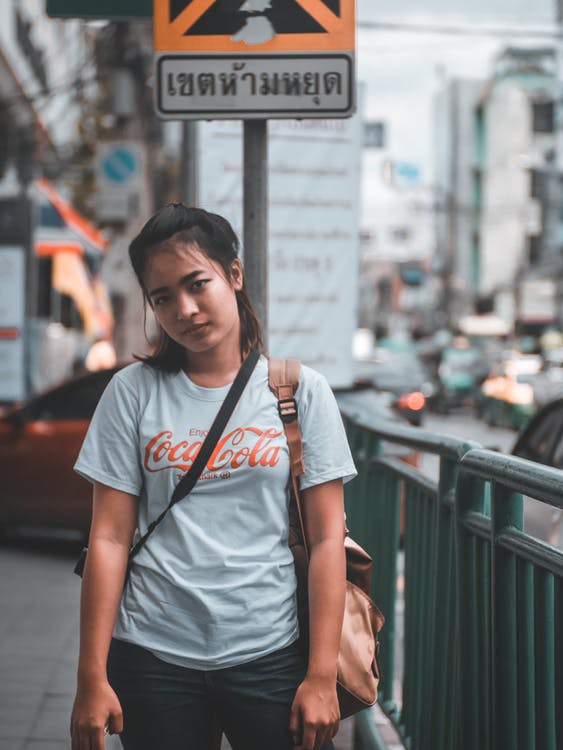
x,y
526,655
441,629
384,517
506,513
366,446
472,730
546,708
558,595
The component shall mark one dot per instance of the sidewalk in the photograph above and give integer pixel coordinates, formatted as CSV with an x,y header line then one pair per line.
x,y
38,649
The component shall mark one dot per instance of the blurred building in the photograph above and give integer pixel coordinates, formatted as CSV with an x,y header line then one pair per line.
x,y
46,73
515,171
497,222
134,171
397,240
44,69
456,257
82,165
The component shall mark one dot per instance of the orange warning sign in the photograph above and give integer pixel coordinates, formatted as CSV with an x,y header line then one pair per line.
x,y
254,26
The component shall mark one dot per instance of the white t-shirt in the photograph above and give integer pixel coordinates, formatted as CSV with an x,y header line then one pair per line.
x,y
215,585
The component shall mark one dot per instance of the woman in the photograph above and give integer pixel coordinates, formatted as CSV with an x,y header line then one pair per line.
x,y
204,630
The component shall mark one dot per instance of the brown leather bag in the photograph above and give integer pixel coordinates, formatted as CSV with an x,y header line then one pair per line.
x,y
358,669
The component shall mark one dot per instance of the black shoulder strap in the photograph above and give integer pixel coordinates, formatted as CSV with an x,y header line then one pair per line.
x,y
187,482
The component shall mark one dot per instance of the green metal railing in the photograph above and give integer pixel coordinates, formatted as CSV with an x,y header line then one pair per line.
x,y
482,641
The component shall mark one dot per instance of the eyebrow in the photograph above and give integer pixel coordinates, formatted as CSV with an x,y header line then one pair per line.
x,y
184,280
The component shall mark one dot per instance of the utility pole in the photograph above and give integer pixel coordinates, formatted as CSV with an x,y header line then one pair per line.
x,y
189,163
557,193
449,202
255,216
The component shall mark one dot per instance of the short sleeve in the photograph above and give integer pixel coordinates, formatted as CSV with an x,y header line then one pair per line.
x,y
110,451
326,453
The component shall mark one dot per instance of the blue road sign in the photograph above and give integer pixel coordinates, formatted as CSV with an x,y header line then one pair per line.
x,y
119,165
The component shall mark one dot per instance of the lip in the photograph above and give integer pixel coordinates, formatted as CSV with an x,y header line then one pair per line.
x,y
197,329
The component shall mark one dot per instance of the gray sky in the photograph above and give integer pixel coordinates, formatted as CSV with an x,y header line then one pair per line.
x,y
522,11
402,71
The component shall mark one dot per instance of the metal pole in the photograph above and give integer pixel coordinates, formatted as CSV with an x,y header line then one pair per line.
x,y
255,216
188,172
558,167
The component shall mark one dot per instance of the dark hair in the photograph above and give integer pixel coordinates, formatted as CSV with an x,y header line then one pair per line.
x,y
174,223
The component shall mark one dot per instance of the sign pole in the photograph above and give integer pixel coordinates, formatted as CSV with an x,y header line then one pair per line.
x,y
189,166
255,216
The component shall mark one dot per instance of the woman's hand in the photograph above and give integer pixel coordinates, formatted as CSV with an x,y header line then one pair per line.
x,y
96,712
96,706
314,714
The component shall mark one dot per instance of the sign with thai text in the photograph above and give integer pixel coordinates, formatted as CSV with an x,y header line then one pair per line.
x,y
266,58
259,86
313,242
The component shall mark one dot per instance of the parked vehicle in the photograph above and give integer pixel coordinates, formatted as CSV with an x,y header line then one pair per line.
x,y
507,397
541,440
403,381
548,383
39,442
462,369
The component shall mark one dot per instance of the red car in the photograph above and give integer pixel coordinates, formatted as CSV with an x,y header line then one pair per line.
x,y
39,443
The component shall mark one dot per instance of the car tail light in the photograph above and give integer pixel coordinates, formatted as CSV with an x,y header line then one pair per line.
x,y
413,401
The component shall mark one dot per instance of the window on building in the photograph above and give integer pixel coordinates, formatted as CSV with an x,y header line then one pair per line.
x,y
70,316
543,117
534,249
400,234
44,272
537,183
475,269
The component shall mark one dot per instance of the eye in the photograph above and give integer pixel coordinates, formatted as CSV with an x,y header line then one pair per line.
x,y
162,299
199,284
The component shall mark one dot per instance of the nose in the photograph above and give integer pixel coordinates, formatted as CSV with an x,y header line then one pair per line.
x,y
186,306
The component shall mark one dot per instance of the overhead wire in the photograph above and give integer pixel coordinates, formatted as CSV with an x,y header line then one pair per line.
x,y
553,32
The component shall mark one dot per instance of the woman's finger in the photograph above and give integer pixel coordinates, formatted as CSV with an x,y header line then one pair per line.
x,y
84,742
295,725
323,737
308,741
96,736
115,723
74,739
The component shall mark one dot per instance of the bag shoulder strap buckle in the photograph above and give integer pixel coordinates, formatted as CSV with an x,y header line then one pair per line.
x,y
287,409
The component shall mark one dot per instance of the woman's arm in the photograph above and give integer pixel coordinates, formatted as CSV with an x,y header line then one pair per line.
x,y
96,706
315,713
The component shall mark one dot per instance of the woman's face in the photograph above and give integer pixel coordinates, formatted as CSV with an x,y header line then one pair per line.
x,y
192,299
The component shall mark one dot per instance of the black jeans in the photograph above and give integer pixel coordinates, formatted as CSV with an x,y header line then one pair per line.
x,y
167,707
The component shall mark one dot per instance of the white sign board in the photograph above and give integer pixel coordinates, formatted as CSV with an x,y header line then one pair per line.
x,y
314,193
12,319
227,86
119,175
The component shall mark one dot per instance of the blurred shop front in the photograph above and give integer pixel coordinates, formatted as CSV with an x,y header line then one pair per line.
x,y
55,315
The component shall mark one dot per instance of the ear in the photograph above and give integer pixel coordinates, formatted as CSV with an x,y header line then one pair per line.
x,y
237,275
